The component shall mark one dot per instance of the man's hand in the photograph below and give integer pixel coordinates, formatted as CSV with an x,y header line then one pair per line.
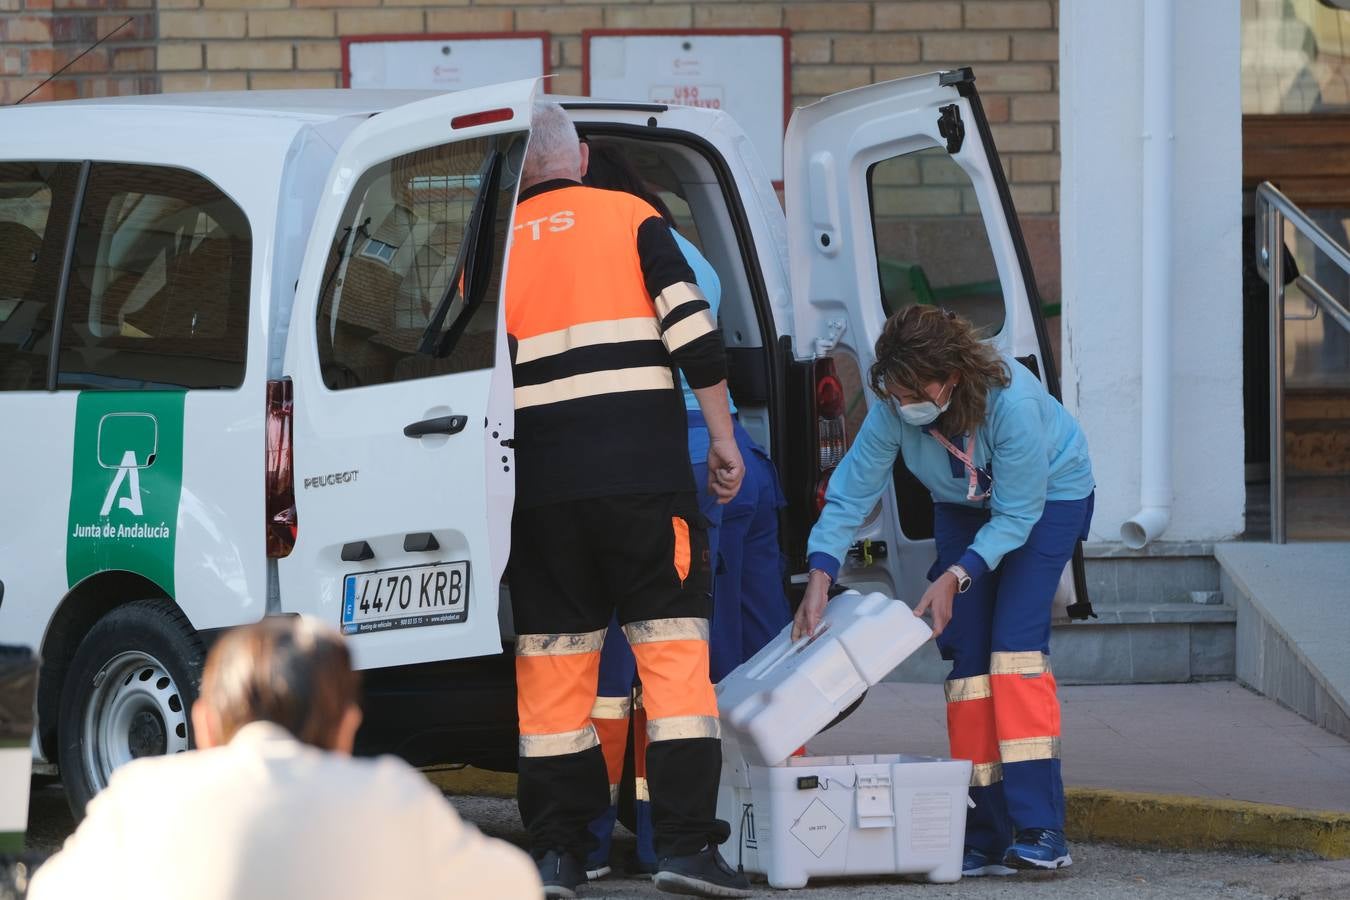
x,y
812,609
725,468
938,600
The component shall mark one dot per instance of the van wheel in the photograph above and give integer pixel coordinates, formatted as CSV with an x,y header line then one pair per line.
x,y
127,695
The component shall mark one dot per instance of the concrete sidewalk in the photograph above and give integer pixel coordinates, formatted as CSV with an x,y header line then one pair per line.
x,y
1196,764
1213,740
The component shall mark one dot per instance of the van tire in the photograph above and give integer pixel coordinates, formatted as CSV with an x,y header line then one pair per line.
x,y
127,694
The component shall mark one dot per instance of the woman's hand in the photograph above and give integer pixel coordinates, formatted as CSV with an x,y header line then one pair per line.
x,y
809,613
938,601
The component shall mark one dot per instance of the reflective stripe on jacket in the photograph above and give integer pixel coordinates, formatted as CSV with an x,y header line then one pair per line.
x,y
601,306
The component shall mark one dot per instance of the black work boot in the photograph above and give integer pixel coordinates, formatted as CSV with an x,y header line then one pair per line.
x,y
561,873
703,874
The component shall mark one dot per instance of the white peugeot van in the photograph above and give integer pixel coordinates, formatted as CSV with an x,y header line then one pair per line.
x,y
252,363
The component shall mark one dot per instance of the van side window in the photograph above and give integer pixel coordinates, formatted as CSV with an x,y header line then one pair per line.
x,y
159,288
35,205
393,306
932,246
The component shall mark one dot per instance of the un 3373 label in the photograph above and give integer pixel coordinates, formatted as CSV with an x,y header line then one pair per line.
x,y
411,597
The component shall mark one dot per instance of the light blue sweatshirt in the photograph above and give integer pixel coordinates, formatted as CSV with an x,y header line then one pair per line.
x,y
708,282
1036,449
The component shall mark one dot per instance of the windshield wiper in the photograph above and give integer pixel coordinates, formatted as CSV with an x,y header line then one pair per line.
x,y
347,240
474,252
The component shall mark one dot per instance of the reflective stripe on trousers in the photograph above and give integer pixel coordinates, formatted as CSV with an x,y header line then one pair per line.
x,y
672,657
554,704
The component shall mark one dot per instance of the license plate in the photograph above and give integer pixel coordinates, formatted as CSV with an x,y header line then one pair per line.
x,y
410,597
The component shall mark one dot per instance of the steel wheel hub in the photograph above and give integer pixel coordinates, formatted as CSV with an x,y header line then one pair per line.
x,y
134,710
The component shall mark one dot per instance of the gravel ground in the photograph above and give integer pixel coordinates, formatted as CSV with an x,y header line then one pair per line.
x,y
1100,872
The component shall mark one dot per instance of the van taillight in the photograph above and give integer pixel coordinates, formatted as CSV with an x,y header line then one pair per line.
x,y
831,427
280,478
831,431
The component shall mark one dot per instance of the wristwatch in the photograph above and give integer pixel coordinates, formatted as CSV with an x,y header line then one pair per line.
x,y
962,578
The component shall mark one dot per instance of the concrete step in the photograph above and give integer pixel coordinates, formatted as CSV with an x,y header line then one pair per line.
x,y
1162,573
1126,644
1293,626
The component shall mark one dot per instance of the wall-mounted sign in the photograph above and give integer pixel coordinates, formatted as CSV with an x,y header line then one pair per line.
x,y
442,62
745,72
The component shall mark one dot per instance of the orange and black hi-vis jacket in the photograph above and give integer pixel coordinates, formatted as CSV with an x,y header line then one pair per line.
x,y
600,307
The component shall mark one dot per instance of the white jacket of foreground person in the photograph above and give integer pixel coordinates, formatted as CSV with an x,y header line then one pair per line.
x,y
265,817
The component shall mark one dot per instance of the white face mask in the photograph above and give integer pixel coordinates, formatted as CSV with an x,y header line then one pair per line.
x,y
925,412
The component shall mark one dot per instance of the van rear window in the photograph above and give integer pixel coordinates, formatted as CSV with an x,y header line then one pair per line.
x,y
159,284
35,205
393,305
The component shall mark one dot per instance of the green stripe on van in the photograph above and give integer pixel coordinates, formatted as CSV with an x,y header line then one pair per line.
x,y
126,479
11,841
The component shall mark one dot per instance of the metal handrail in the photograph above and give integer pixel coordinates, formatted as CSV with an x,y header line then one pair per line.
x,y
1272,210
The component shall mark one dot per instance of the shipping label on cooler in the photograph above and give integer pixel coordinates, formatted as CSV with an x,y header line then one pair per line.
x,y
817,828
930,818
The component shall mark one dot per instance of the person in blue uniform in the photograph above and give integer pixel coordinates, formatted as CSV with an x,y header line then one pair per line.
x,y
750,604
1012,489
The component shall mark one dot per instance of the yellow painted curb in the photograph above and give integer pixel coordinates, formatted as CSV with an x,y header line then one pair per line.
x,y
1165,821
1177,822
472,782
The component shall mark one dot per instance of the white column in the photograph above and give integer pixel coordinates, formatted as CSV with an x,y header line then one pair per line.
x,y
1102,80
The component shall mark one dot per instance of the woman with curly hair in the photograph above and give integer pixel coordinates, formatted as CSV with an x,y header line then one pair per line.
x,y
1012,490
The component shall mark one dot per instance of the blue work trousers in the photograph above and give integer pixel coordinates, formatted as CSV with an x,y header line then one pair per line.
x,y
1002,711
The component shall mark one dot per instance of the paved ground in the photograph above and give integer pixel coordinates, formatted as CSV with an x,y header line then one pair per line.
x,y
1216,741
1213,740
1100,872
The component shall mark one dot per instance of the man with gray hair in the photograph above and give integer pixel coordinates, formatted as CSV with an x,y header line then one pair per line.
x,y
601,307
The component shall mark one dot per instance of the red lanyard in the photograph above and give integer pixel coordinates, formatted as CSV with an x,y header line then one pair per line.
x,y
967,457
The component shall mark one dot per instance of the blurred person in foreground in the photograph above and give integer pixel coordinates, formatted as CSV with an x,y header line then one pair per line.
x,y
273,805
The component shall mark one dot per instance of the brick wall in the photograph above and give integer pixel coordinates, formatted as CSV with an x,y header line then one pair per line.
x,y
38,37
257,44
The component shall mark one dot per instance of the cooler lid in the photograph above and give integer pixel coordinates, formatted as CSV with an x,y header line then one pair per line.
x,y
787,692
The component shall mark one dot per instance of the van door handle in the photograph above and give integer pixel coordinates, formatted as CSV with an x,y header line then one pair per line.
x,y
438,425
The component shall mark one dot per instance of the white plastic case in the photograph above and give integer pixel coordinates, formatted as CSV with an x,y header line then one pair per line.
x,y
793,818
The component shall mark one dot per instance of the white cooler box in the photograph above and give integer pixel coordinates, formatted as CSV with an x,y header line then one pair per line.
x,y
793,818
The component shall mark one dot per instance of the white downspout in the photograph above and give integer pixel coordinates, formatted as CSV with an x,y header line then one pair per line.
x,y
1155,472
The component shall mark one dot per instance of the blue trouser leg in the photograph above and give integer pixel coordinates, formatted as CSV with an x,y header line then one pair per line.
x,y
749,603
712,511
999,642
724,639
618,670
1025,706
763,600
966,642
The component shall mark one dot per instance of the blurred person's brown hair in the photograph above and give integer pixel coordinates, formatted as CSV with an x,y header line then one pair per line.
x,y
290,671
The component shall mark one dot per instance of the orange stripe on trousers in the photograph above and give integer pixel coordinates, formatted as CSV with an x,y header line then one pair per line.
x,y
682,552
970,729
613,735
555,694
1025,706
674,677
